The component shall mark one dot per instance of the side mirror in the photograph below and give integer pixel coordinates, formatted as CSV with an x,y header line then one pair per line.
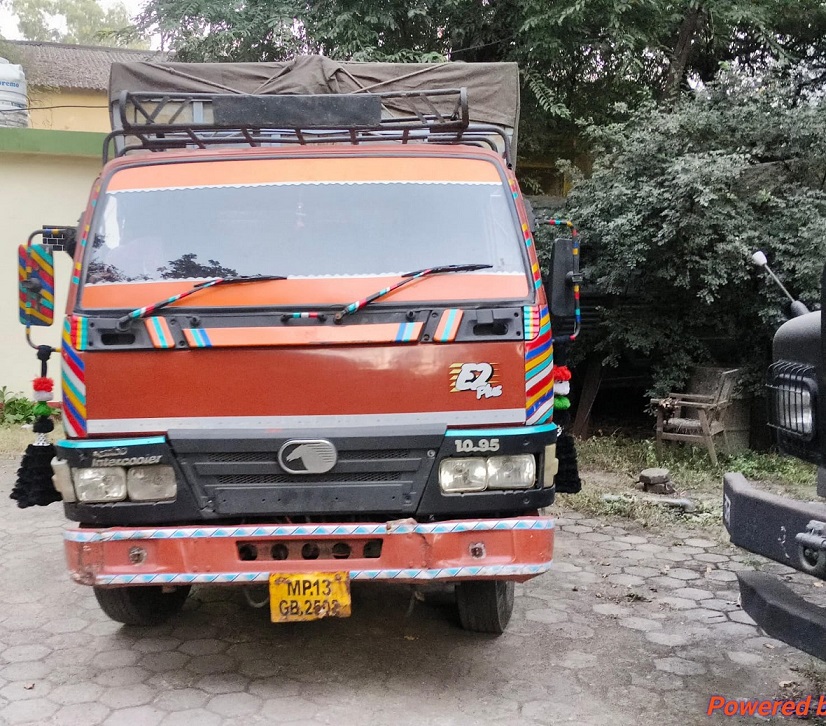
x,y
35,272
562,300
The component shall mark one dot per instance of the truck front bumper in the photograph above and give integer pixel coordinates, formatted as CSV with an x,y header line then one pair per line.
x,y
403,551
769,525
766,523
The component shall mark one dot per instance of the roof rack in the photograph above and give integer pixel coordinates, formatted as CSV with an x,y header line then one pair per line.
x,y
162,121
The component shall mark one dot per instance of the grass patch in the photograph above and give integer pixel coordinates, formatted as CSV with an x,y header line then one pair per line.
x,y
690,466
589,501
612,464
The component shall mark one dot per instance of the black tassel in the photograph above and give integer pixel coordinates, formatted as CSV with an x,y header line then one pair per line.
x,y
567,479
34,486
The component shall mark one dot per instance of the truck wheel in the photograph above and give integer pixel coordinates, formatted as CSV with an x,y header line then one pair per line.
x,y
485,606
145,605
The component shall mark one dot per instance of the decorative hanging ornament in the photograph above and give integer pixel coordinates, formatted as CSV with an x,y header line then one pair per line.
x,y
43,389
562,387
34,477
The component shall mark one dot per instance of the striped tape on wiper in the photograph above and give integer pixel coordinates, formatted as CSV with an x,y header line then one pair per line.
x,y
138,313
407,278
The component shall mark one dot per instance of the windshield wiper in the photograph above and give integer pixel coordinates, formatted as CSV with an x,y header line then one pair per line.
x,y
123,323
407,277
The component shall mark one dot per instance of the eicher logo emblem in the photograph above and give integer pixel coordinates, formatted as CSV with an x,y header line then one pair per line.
x,y
314,456
479,377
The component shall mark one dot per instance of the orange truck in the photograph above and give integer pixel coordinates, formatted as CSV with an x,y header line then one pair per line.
x,y
306,341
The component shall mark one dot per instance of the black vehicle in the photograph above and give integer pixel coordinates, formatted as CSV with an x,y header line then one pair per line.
x,y
786,530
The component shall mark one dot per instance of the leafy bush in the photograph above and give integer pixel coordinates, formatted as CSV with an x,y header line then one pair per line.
x,y
16,408
679,199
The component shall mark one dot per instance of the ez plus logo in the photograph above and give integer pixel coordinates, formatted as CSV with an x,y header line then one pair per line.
x,y
479,377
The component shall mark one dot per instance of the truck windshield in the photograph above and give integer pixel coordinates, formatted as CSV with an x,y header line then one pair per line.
x,y
302,229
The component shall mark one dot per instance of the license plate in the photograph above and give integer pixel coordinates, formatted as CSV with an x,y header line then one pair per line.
x,y
309,596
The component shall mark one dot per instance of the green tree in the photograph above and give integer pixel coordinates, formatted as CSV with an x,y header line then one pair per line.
x,y
588,55
83,22
595,60
677,202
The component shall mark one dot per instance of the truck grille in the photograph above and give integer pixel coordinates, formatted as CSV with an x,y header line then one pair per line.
x,y
365,479
792,400
375,477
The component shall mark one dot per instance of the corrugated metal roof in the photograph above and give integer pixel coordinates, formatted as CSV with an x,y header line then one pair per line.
x,y
73,66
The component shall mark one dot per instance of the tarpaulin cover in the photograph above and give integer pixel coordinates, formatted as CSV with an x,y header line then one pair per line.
x,y
493,88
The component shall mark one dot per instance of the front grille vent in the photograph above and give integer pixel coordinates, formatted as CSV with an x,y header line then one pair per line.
x,y
356,477
792,401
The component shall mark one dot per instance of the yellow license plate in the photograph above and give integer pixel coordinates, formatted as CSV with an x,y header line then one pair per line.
x,y
309,596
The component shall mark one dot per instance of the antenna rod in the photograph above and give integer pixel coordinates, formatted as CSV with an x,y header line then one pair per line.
x,y
759,259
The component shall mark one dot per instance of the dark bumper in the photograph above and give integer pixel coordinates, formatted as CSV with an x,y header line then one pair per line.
x,y
782,613
768,525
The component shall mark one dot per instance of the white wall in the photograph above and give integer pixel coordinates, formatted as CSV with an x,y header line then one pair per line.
x,y
35,189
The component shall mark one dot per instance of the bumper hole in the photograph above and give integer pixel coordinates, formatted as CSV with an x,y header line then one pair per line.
x,y
248,552
280,552
372,549
310,551
341,550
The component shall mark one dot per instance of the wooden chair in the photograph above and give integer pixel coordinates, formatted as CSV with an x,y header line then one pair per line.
x,y
674,425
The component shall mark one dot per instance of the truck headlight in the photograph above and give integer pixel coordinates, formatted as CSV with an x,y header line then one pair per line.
x,y
795,413
151,483
458,476
100,484
463,475
511,472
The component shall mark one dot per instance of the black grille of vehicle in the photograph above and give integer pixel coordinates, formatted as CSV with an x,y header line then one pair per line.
x,y
254,457
792,401
245,479
252,482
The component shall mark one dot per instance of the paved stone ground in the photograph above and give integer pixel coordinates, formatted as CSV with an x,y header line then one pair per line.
x,y
631,628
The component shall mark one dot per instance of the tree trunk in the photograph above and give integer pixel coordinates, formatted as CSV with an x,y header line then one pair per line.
x,y
692,22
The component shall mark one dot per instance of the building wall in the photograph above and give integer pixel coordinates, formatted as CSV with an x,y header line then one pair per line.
x,y
65,109
45,178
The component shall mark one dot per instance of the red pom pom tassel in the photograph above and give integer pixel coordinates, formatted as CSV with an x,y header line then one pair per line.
x,y
562,373
43,383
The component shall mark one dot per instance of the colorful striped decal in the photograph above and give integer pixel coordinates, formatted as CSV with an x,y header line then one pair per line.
x,y
536,273
304,335
530,315
408,332
84,237
199,338
159,332
73,379
76,332
539,365
448,326
226,578
311,530
35,262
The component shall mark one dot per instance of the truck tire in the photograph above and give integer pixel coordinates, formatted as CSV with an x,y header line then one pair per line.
x,y
485,606
143,605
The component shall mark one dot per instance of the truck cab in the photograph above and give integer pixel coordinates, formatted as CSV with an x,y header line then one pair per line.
x,y
305,358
